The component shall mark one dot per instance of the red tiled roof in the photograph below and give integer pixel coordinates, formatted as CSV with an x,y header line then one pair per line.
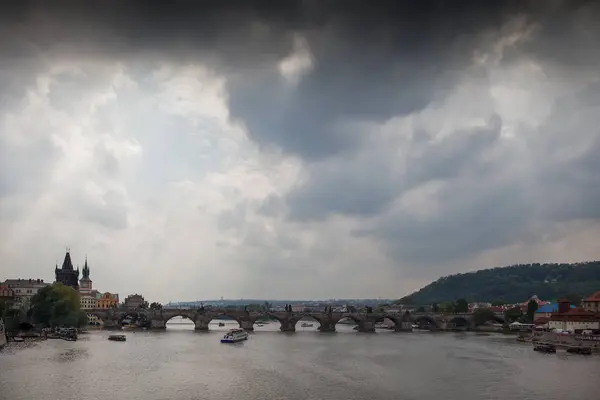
x,y
594,297
578,314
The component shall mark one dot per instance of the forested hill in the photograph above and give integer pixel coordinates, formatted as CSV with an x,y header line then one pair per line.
x,y
514,284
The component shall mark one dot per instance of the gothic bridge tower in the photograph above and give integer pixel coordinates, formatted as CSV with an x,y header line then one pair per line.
x,y
66,274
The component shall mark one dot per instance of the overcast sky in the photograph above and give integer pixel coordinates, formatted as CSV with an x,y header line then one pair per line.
x,y
296,150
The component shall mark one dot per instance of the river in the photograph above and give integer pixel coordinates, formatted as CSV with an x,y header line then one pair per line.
x,y
180,364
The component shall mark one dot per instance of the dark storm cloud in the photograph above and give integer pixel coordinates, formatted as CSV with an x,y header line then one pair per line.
x,y
370,61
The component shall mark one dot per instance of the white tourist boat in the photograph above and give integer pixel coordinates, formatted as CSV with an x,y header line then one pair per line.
x,y
234,336
2,334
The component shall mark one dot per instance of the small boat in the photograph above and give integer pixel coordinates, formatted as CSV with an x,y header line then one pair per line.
x,y
221,323
259,324
18,339
306,325
234,336
2,334
585,351
545,348
117,338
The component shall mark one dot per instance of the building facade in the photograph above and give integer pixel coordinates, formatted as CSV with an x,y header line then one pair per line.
x,y
592,303
66,274
85,283
107,300
24,289
88,301
573,319
134,301
6,293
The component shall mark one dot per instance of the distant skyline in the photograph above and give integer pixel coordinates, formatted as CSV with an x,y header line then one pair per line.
x,y
303,149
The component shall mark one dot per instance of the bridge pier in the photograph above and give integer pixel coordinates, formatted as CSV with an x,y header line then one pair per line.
x,y
247,325
327,325
367,326
156,323
403,326
201,324
287,325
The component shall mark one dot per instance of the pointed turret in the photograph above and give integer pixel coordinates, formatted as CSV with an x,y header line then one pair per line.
x,y
67,264
66,274
86,270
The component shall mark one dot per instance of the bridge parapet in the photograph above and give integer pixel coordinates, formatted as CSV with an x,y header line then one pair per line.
x,y
288,320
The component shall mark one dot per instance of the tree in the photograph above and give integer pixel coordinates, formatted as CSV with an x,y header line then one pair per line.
x,y
532,307
156,306
421,309
513,314
461,306
482,315
57,305
447,307
144,305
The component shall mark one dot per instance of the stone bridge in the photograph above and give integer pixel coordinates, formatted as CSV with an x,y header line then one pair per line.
x,y
288,320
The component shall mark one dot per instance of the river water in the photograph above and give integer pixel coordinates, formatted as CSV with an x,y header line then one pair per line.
x,y
180,364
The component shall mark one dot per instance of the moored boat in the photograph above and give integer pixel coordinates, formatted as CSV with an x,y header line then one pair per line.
x,y
117,338
545,348
234,336
306,325
585,351
2,334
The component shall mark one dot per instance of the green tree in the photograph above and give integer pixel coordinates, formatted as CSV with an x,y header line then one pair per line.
x,y
156,306
447,307
513,314
532,307
57,305
420,309
461,306
482,315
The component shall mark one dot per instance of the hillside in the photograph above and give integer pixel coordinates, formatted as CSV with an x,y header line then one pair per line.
x,y
514,284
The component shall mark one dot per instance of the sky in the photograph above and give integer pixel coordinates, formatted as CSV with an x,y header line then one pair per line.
x,y
298,149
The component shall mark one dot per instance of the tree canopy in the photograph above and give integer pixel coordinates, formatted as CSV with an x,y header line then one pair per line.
x,y
57,305
513,284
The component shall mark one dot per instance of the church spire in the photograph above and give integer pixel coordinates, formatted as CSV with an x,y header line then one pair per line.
x,y
86,270
67,264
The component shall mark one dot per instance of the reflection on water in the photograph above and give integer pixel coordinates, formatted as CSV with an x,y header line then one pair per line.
x,y
182,364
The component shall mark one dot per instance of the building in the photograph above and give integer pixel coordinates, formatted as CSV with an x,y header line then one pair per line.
x,y
573,319
6,293
88,301
85,283
592,303
66,274
525,305
134,301
547,310
24,290
107,300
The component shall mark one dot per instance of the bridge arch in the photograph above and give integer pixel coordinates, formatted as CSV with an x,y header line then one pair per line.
x,y
224,321
186,322
308,319
396,320
479,320
459,322
425,321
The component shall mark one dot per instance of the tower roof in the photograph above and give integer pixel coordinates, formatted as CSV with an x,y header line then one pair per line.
x,y
67,264
86,270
